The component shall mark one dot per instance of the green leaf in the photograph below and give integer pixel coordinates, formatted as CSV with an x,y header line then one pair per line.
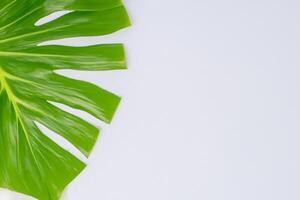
x,y
31,163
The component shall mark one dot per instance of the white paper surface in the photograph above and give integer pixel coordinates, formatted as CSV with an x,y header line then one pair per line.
x,y
210,105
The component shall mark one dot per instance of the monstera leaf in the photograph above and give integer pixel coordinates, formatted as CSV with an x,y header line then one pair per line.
x,y
30,162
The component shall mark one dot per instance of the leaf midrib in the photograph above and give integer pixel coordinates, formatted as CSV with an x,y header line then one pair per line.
x,y
14,101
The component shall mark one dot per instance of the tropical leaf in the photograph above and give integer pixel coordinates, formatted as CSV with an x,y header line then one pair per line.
x,y
31,163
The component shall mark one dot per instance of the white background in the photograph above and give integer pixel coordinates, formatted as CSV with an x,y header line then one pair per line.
x,y
210,106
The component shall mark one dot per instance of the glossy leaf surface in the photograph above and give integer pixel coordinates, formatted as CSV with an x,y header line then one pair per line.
x,y
31,163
